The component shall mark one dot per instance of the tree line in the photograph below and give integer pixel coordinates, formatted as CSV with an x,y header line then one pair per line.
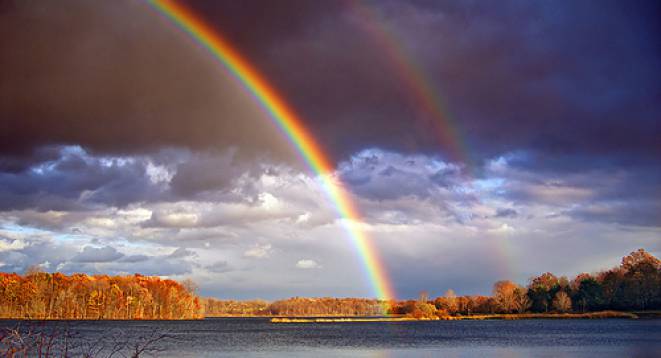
x,y
41,295
634,285
295,306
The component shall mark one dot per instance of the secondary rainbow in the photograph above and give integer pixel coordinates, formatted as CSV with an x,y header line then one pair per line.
x,y
289,123
427,98
414,78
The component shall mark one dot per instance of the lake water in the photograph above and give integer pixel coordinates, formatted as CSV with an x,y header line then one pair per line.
x,y
256,337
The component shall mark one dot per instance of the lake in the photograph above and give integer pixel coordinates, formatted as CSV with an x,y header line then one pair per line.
x,y
257,337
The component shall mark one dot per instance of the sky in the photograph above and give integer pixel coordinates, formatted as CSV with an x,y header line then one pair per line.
x,y
480,141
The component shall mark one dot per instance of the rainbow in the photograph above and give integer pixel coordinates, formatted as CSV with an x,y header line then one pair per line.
x,y
427,99
291,126
414,78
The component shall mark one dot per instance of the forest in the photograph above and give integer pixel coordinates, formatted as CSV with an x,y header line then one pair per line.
x,y
632,286
40,295
295,306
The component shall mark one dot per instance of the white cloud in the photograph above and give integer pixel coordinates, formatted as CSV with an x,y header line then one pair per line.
x,y
7,245
503,229
307,264
443,218
258,251
176,219
158,173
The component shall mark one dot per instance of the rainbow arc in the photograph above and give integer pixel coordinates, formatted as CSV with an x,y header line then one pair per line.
x,y
420,89
291,126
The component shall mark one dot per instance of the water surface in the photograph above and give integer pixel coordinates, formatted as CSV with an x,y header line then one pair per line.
x,y
257,337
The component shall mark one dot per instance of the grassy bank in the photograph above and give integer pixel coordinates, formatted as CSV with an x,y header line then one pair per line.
x,y
345,319
591,315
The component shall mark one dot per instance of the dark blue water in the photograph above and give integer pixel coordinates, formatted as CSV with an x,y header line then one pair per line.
x,y
255,337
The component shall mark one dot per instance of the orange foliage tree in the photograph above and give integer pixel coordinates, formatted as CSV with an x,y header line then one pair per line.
x,y
41,295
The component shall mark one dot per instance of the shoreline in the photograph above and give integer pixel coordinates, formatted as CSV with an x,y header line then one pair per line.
x,y
398,318
480,317
97,320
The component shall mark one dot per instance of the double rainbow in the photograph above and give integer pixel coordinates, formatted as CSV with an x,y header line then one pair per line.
x,y
291,126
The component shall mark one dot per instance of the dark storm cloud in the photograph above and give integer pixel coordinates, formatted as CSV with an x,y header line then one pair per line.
x,y
564,79
574,86
72,179
106,107
204,173
115,77
76,181
578,80
573,79
15,163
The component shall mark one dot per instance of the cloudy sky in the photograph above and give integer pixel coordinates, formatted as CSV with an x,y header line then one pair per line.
x,y
125,147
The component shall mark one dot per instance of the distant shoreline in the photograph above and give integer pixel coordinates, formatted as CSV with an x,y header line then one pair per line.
x,y
399,318
479,317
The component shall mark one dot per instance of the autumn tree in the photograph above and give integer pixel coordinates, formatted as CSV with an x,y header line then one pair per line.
x,y
541,291
450,301
522,302
637,258
562,302
588,293
327,306
642,280
41,295
611,282
504,294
